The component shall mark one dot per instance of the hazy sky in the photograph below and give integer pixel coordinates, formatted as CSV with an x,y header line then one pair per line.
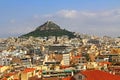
x,y
95,17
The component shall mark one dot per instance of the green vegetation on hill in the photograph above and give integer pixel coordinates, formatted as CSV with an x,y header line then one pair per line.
x,y
49,29
46,33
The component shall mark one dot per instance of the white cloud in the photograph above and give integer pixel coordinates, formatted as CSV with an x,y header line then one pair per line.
x,y
67,13
95,22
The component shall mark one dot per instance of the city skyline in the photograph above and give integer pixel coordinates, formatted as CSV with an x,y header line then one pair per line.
x,y
87,17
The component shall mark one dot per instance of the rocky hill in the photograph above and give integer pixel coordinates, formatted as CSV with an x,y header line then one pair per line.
x,y
49,28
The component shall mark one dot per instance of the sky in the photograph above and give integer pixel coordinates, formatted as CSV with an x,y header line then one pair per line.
x,y
94,17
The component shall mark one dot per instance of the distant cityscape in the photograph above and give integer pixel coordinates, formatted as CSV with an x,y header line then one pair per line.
x,y
63,55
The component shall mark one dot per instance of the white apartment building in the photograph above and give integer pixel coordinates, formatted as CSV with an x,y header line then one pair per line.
x,y
5,61
66,59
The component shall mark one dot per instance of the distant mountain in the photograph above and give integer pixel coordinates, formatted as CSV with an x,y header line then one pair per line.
x,y
49,28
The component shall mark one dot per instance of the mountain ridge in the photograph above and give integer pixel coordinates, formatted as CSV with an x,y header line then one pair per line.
x,y
49,28
49,25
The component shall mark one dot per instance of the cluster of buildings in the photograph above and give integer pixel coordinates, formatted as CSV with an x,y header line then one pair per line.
x,y
60,58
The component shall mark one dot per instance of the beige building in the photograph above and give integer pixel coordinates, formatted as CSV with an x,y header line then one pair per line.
x,y
27,73
4,68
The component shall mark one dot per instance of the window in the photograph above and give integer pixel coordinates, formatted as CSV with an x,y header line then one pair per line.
x,y
83,58
80,77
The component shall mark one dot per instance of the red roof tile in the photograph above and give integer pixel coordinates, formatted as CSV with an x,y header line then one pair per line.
x,y
1,66
64,66
105,62
40,71
99,75
78,56
9,74
28,70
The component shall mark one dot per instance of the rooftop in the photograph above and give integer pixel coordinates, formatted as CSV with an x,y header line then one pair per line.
x,y
28,70
99,75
